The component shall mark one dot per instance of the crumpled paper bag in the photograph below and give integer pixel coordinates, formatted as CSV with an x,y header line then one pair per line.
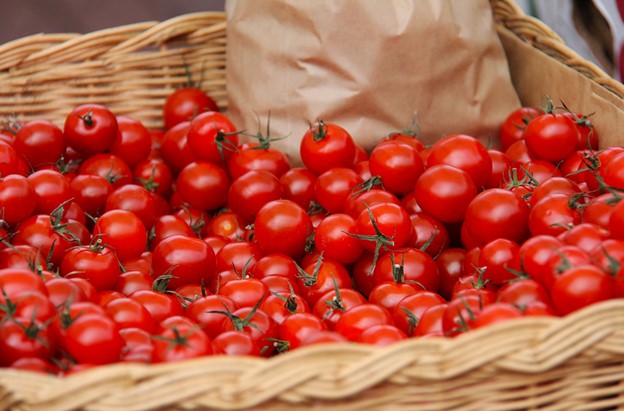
x,y
367,65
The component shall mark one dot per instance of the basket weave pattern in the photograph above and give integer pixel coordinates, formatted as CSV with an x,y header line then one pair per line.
x,y
574,363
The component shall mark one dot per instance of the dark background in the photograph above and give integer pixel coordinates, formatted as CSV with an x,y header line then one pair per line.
x,y
19,18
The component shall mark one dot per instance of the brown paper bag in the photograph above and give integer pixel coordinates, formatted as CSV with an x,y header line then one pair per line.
x,y
367,65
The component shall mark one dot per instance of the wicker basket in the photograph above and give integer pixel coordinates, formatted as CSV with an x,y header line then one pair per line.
x,y
574,363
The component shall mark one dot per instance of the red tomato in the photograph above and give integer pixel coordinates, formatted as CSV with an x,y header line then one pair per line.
x,y
96,263
179,338
501,260
209,312
465,153
514,125
579,287
10,161
51,190
282,226
123,231
136,199
383,226
203,185
382,335
409,265
551,137
319,277
334,238
160,305
397,164
175,150
109,166
326,146
334,303
553,214
129,313
258,324
408,311
245,292
249,192
155,175
429,234
298,327
356,320
23,338
133,142
333,187
360,200
184,104
235,343
18,199
189,260
501,165
93,339
389,294
212,137
90,129
40,142
257,156
298,186
90,191
445,192
495,313
497,213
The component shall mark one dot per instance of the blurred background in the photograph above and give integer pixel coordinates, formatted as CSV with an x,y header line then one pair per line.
x,y
25,17
593,28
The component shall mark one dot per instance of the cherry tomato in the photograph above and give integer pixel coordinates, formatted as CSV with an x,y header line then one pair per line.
x,y
40,142
203,185
90,129
551,137
325,146
397,164
465,153
123,231
445,192
212,137
186,103
282,226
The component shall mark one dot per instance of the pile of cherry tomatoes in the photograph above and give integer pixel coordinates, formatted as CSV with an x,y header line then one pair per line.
x,y
120,243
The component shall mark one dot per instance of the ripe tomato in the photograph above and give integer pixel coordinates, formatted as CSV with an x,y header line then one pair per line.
x,y
429,234
96,263
10,161
579,287
249,192
109,166
189,260
465,153
23,338
282,226
397,164
321,276
495,313
325,146
334,238
160,305
133,143
408,311
40,142
409,265
235,343
136,199
382,335
445,192
123,231
93,339
298,186
553,215
257,156
90,191
179,338
155,175
334,303
175,150
497,213
184,104
501,260
90,129
298,327
358,319
203,185
129,313
17,198
333,187
51,190
514,125
551,137
383,226
212,137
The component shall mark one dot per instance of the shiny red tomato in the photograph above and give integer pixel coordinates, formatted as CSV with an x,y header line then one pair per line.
x,y
212,137
325,146
90,129
465,153
282,226
186,103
